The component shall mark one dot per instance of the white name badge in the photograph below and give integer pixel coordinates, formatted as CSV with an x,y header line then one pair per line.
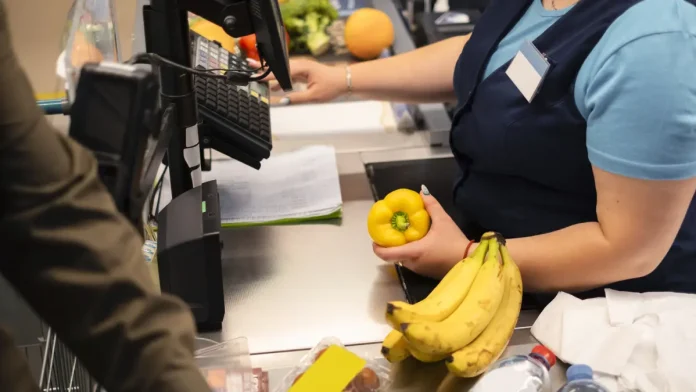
x,y
528,70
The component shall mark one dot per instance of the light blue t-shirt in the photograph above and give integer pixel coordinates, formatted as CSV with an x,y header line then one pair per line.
x,y
636,89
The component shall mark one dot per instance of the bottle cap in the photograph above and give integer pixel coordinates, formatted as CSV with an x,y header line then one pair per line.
x,y
546,354
579,372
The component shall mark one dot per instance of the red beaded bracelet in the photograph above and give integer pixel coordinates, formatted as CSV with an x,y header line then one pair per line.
x,y
468,247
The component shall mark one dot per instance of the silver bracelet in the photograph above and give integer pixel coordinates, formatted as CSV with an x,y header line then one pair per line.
x,y
349,79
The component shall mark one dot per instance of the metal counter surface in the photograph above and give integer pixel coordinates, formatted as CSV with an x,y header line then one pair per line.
x,y
287,287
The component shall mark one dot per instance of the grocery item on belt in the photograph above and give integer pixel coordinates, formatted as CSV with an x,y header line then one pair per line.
x,y
580,379
259,381
520,373
398,219
306,22
469,317
330,367
368,32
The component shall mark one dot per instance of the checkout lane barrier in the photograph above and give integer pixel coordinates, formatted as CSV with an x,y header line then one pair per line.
x,y
54,106
60,369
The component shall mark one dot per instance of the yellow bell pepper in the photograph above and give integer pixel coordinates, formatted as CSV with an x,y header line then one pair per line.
x,y
398,219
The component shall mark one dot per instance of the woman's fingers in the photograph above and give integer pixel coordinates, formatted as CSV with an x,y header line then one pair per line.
x,y
274,85
404,253
297,97
299,69
253,63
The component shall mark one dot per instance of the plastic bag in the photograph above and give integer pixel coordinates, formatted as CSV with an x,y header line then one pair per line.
x,y
374,377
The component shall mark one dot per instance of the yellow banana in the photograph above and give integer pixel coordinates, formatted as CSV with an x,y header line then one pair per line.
x,y
470,318
395,347
475,358
446,296
424,357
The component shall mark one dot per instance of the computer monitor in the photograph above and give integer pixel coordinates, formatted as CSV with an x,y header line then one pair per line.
x,y
260,17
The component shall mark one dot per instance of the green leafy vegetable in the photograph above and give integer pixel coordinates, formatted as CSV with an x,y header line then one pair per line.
x,y
306,22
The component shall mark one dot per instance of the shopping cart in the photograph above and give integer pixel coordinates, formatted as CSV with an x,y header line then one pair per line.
x,y
61,371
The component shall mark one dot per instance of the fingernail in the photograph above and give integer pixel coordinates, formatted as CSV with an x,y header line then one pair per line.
x,y
425,190
284,101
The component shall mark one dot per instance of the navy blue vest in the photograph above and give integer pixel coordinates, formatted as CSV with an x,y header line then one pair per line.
x,y
525,169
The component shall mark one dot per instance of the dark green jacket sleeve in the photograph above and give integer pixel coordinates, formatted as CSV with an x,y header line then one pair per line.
x,y
75,259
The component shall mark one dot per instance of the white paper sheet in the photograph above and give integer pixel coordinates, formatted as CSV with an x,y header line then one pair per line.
x,y
298,185
331,118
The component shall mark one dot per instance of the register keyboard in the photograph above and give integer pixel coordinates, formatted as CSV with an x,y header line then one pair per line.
x,y
234,120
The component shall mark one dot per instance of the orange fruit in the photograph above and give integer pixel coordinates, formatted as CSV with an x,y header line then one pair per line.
x,y
368,32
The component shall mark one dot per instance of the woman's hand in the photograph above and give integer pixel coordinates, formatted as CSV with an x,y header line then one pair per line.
x,y
324,82
437,252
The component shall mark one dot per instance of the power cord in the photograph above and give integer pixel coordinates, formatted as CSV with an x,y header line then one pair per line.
x,y
239,77
154,208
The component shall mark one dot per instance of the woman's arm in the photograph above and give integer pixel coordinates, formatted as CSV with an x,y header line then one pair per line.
x,y
637,223
642,145
422,75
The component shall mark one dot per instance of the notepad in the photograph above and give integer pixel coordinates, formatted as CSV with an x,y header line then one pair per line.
x,y
291,187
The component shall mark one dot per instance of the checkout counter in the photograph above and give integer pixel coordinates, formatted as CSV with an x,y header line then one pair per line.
x,y
285,293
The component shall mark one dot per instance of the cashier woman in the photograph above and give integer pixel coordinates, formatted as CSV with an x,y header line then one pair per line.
x,y
76,260
575,133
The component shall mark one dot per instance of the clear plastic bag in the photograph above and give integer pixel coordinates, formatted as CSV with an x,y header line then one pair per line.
x,y
91,37
373,378
226,365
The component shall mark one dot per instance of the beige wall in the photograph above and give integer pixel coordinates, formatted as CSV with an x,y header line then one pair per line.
x,y
36,35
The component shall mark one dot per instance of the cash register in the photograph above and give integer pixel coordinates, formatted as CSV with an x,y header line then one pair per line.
x,y
136,116
233,119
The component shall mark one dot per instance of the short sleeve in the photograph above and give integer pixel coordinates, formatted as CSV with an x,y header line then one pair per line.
x,y
640,106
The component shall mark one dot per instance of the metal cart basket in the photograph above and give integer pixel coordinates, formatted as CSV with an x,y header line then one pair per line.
x,y
61,371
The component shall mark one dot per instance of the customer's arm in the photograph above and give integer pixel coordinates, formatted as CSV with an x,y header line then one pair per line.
x,y
75,259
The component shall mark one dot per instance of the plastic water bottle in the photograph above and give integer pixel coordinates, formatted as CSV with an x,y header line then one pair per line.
x,y
521,373
580,380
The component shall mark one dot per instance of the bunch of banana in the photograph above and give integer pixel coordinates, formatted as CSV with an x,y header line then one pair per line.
x,y
469,317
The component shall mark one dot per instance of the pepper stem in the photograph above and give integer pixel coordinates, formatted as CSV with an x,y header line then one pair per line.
x,y
400,221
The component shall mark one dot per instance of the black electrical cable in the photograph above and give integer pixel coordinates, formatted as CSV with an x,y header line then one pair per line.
x,y
239,76
154,209
262,76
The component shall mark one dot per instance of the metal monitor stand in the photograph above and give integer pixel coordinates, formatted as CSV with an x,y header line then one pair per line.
x,y
188,240
167,35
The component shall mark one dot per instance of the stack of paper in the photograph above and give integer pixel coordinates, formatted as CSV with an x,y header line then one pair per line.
x,y
292,187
